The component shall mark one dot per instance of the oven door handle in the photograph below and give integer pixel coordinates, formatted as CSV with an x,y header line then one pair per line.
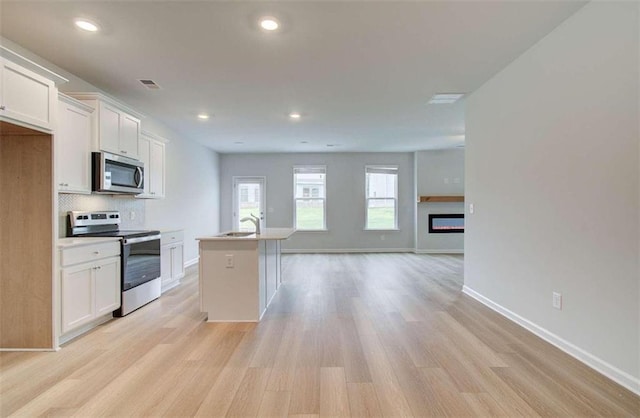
x,y
140,239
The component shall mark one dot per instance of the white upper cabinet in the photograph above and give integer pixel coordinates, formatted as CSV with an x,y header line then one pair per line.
x,y
73,146
152,154
108,128
116,127
26,98
129,135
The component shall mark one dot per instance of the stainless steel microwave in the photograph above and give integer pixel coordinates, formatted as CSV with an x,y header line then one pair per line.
x,y
116,174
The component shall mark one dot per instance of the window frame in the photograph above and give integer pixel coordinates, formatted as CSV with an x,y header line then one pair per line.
x,y
323,199
390,167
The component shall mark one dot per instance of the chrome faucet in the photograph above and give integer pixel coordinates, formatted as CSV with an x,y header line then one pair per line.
x,y
255,220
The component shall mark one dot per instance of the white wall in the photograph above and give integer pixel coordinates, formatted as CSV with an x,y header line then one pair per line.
x,y
345,198
439,173
192,194
192,179
552,167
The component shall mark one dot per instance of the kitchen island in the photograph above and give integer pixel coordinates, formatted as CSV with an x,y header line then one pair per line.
x,y
240,273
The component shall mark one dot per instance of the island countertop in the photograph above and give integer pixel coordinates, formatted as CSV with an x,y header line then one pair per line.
x,y
265,234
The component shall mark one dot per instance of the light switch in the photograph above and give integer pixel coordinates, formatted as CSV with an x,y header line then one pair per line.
x,y
470,207
557,300
229,261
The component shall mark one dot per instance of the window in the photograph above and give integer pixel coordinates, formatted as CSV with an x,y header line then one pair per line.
x,y
309,184
382,197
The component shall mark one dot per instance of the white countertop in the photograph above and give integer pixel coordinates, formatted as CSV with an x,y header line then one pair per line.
x,y
168,230
265,234
76,242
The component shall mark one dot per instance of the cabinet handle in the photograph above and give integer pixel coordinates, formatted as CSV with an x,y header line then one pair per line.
x,y
124,152
60,184
96,252
2,107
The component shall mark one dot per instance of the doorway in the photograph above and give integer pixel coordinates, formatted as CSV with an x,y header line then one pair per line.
x,y
249,198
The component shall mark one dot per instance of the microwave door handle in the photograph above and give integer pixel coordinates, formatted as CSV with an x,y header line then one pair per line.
x,y
140,176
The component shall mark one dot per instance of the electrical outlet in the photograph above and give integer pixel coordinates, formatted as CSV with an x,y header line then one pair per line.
x,y
132,215
229,261
557,300
471,208
382,237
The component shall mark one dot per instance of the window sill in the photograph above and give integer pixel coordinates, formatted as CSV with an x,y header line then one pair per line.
x,y
312,230
380,230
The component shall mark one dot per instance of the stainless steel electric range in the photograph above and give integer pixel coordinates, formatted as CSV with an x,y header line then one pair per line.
x,y
140,252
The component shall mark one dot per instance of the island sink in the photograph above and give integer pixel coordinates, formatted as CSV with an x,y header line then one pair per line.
x,y
236,234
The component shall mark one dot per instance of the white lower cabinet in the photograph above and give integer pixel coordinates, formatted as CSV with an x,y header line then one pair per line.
x,y
90,283
172,258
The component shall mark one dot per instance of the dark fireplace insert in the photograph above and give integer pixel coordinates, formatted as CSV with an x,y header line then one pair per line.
x,y
447,223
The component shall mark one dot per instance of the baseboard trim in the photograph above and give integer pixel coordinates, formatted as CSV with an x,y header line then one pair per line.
x,y
619,376
28,349
417,251
346,250
75,333
191,262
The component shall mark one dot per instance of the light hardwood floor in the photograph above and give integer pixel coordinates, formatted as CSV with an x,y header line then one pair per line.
x,y
347,335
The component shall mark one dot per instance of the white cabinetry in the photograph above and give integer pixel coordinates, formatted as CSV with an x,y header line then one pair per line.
x,y
90,283
116,128
73,146
153,156
171,258
27,98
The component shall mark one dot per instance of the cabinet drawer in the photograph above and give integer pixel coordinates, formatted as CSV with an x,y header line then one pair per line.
x,y
171,237
87,253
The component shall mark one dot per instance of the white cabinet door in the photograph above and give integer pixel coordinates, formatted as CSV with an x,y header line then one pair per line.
x,y
107,286
109,128
77,293
177,261
165,264
26,97
73,152
156,173
129,135
152,155
172,258
144,149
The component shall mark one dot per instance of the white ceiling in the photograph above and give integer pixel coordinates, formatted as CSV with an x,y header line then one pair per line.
x,y
361,73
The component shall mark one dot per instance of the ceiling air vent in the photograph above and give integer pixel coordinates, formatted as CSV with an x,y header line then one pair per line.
x,y
150,84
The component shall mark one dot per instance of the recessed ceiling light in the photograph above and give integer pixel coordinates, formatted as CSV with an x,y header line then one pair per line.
x,y
87,25
333,145
203,116
304,142
445,98
269,23
294,115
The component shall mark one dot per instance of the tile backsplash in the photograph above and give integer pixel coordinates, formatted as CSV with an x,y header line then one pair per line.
x,y
126,205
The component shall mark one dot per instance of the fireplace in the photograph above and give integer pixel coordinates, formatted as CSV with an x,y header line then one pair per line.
x,y
447,223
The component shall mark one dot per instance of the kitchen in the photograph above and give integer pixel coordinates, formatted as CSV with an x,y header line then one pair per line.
x,y
193,198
